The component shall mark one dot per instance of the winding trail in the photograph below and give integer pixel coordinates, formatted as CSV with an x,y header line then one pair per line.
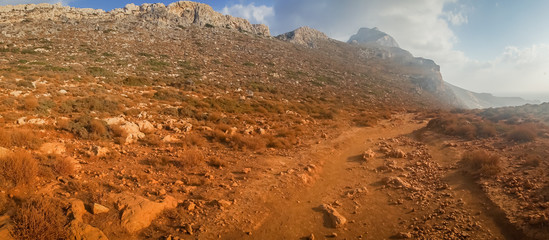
x,y
379,212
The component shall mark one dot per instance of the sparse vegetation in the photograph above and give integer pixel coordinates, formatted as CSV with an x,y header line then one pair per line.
x,y
18,168
39,218
482,162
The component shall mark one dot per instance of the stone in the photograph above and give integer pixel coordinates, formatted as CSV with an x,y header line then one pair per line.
x,y
99,151
82,231
52,148
146,126
170,139
4,152
138,212
368,154
5,228
77,209
336,219
396,153
131,132
98,209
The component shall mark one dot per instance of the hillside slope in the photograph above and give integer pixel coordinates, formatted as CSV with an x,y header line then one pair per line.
x,y
167,122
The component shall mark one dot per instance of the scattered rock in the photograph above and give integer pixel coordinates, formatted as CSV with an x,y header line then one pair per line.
x,y
369,154
98,209
100,151
4,152
52,148
5,228
170,139
77,209
336,219
146,126
396,153
404,235
82,231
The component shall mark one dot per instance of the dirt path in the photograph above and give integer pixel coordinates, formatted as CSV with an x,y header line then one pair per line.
x,y
435,202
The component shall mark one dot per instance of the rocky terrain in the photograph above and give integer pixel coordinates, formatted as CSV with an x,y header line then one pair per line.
x,y
177,122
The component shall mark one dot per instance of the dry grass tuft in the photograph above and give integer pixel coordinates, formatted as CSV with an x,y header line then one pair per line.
x,y
39,218
63,166
482,163
30,103
190,158
19,138
19,168
522,133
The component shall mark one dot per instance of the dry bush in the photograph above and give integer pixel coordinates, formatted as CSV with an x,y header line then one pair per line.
x,y
30,103
243,143
19,168
190,158
63,166
194,140
217,162
152,140
99,127
19,138
39,218
482,163
522,133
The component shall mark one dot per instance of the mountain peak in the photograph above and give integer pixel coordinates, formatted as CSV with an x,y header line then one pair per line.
x,y
373,36
304,36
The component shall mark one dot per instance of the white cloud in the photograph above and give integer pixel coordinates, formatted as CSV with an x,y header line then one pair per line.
x,y
255,14
456,18
17,2
515,70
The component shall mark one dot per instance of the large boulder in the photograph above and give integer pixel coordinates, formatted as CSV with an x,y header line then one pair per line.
x,y
138,212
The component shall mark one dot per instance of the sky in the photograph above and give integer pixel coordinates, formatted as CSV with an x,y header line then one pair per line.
x,y
494,46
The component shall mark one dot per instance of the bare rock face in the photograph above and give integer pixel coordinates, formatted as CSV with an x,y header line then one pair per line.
x,y
304,36
183,13
138,212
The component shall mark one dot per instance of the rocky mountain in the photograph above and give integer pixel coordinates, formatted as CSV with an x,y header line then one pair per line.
x,y
183,13
304,36
373,36
386,47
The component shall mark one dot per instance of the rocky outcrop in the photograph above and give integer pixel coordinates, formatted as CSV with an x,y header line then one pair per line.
x,y
373,36
177,14
304,36
138,212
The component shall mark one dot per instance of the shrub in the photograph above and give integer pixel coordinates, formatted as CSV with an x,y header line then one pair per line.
x,y
39,218
19,138
216,162
522,133
30,103
63,166
88,128
482,162
190,158
19,168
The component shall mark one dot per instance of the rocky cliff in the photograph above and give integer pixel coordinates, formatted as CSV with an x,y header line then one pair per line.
x,y
177,14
